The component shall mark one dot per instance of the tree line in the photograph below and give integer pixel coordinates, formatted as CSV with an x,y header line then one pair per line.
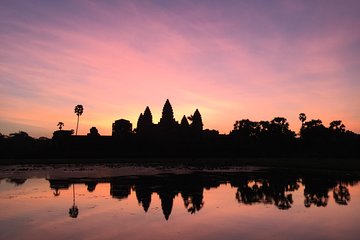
x,y
169,138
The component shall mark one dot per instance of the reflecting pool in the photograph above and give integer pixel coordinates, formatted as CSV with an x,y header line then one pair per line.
x,y
108,202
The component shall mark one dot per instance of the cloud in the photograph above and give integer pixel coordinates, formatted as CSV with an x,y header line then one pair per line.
x,y
236,60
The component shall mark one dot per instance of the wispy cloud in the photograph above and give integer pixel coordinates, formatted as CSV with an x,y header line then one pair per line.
x,y
231,60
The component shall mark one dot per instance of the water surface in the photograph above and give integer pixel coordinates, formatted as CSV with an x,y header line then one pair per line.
x,y
108,202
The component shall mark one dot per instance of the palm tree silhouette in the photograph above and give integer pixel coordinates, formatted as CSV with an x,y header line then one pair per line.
x,y
73,211
302,118
79,109
60,124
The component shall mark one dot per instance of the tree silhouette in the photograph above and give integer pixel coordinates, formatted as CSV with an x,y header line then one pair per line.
x,y
246,128
93,132
337,126
313,129
60,125
279,128
20,135
314,123
302,118
79,109
264,127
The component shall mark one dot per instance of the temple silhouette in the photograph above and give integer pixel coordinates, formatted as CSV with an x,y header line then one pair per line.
x,y
188,139
167,125
272,188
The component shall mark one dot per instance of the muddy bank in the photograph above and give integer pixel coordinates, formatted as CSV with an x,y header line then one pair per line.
x,y
349,164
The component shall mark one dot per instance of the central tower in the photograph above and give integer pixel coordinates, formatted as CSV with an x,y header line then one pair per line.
x,y
167,119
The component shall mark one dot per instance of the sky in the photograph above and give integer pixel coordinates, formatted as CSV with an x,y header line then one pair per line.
x,y
232,60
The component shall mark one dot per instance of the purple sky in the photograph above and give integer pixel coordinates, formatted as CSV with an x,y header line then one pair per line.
x,y
231,59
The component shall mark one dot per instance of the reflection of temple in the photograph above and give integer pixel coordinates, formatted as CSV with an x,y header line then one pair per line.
x,y
143,195
167,198
168,187
120,188
57,185
254,188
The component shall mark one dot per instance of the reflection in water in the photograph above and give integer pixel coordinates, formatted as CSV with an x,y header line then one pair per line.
x,y
341,194
316,191
73,211
91,186
267,191
57,185
256,188
16,181
56,192
198,205
143,194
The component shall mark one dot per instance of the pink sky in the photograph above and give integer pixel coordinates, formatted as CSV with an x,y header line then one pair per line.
x,y
230,59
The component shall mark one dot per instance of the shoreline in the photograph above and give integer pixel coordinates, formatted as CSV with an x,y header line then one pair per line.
x,y
347,164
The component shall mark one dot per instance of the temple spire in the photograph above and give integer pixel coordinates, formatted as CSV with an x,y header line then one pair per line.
x,y
197,123
167,118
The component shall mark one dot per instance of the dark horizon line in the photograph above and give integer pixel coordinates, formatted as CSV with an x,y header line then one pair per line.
x,y
168,105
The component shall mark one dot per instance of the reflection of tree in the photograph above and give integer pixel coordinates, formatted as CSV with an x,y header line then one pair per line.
x,y
283,201
91,186
316,191
73,211
57,185
267,191
191,188
248,194
17,181
317,199
341,194
56,192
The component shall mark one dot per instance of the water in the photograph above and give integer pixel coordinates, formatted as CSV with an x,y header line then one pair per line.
x,y
108,202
